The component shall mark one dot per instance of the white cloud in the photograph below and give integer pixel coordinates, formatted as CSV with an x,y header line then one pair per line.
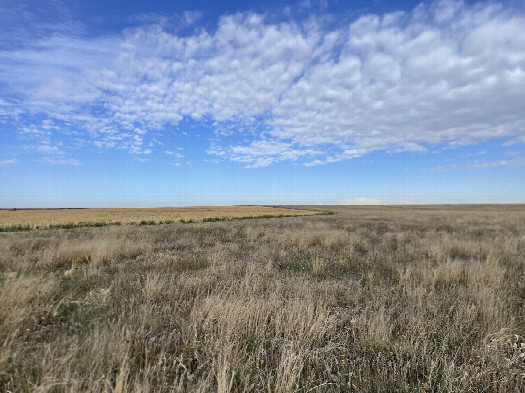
x,y
480,153
8,162
306,91
53,153
515,141
358,201
61,161
492,164
518,160
263,153
408,146
46,149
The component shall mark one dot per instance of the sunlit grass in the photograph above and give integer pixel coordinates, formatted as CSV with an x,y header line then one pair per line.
x,y
366,300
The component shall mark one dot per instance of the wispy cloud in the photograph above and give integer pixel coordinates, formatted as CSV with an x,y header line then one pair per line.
x,y
61,161
517,161
307,91
54,153
262,153
514,141
479,153
8,162
492,164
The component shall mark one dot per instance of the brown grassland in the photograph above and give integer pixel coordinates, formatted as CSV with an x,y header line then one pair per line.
x,y
46,217
370,299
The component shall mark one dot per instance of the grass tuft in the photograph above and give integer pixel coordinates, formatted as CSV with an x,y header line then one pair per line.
x,y
145,222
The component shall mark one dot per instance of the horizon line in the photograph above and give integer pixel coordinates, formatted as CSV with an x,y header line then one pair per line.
x,y
275,205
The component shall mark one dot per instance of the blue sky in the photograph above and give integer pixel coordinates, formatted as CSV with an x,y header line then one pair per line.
x,y
162,103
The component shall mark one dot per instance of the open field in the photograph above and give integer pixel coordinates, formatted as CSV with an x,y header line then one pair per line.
x,y
30,218
370,299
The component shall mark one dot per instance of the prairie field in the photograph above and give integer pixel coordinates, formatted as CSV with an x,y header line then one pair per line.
x,y
370,299
32,218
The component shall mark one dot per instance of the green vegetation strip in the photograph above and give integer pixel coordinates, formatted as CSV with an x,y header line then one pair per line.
x,y
70,225
16,228
214,219
143,222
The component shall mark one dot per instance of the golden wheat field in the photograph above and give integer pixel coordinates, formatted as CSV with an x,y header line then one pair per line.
x,y
371,299
45,217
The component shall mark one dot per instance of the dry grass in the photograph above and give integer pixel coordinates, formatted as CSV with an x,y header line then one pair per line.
x,y
48,217
378,299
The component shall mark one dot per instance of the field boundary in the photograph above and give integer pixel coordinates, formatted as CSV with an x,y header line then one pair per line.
x,y
98,224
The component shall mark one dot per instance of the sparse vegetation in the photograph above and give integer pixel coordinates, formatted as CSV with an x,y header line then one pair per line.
x,y
188,221
216,219
71,225
371,299
145,222
16,228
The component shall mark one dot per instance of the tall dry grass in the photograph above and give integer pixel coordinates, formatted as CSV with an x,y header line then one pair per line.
x,y
428,299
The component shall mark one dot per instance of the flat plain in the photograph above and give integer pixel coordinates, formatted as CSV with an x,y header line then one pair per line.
x,y
370,299
46,217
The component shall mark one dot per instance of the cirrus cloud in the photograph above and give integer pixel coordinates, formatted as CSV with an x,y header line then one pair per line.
x,y
8,161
